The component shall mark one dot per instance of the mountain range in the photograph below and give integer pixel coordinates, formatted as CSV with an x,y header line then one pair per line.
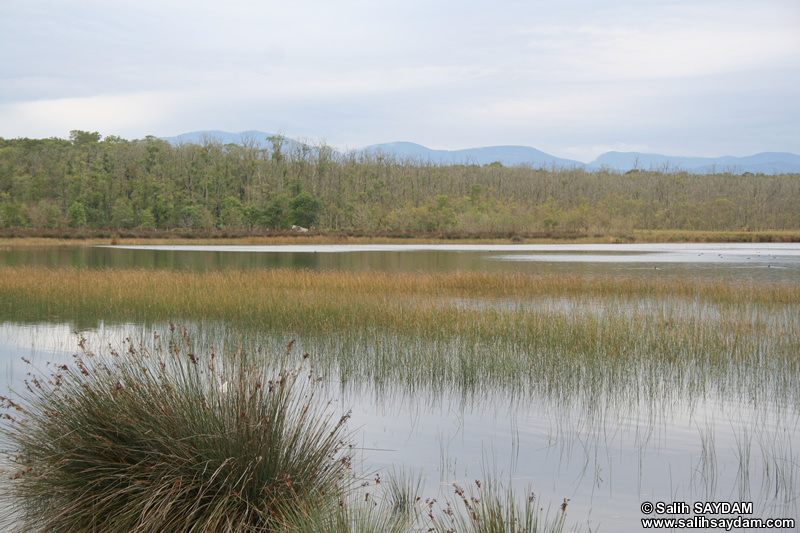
x,y
764,163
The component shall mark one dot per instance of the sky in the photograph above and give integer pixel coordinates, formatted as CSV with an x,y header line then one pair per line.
x,y
573,78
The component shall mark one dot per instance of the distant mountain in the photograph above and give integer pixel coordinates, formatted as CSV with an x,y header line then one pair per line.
x,y
224,137
766,162
507,155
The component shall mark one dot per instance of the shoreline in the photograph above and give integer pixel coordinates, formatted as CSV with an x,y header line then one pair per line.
x,y
133,237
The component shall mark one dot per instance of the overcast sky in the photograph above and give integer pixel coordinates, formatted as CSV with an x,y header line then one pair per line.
x,y
574,78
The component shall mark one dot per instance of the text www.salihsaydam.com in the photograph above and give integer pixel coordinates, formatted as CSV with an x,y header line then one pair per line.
x,y
728,524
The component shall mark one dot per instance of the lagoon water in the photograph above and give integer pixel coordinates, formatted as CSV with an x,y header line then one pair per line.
x,y
605,458
757,261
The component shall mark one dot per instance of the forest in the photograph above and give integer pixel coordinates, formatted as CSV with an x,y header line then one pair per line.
x,y
93,182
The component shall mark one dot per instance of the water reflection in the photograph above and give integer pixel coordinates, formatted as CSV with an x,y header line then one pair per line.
x,y
759,262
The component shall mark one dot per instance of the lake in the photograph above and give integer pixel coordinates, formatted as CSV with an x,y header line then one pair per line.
x,y
766,261
607,453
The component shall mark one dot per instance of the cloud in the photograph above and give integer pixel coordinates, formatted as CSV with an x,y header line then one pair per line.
x,y
664,44
106,114
572,73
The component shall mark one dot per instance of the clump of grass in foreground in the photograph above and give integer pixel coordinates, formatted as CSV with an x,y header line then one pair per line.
x,y
165,440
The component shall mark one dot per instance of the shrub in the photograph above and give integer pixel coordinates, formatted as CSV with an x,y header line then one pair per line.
x,y
166,440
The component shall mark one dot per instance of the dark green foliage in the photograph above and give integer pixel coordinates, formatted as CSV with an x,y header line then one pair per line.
x,y
304,209
276,215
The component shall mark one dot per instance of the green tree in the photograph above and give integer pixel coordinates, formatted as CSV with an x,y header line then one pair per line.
x,y
146,219
12,213
197,217
122,213
277,213
44,214
304,209
77,215
232,215
254,217
80,138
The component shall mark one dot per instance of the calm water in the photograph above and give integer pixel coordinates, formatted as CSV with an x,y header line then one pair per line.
x,y
707,449
767,262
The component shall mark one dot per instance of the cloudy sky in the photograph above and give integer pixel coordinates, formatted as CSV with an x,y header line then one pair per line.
x,y
574,78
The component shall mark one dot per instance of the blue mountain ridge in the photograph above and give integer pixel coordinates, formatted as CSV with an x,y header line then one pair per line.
x,y
507,155
224,137
764,163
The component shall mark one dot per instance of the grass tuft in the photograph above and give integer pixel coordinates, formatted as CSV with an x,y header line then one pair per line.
x,y
168,440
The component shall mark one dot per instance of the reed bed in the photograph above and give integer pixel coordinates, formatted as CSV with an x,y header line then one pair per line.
x,y
223,294
567,338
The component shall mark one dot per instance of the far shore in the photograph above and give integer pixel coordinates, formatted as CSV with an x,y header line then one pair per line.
x,y
132,237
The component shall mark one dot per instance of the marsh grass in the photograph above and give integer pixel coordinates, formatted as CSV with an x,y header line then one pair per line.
x,y
169,440
630,340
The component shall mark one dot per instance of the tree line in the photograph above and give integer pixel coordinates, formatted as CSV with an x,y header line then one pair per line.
x,y
90,181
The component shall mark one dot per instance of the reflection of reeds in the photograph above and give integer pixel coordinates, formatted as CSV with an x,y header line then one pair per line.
x,y
168,440
765,475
